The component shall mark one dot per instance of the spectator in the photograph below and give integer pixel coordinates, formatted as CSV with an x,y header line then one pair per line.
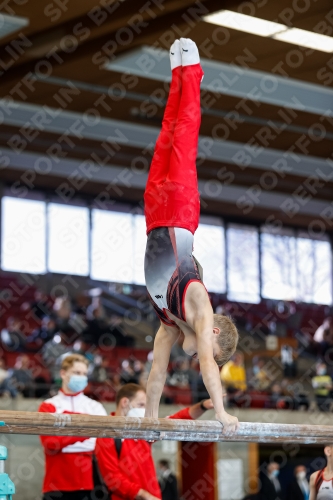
x,y
270,487
288,362
40,307
96,324
233,373
62,309
180,376
52,353
127,374
233,376
296,394
260,380
322,384
299,488
45,333
324,335
12,337
278,398
6,386
68,459
118,333
96,310
167,481
127,465
139,369
101,372
3,371
21,377
101,331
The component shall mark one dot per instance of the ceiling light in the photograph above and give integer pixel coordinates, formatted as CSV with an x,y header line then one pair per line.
x,y
10,24
306,39
261,27
241,22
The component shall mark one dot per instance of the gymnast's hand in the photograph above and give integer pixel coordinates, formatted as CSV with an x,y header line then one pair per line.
x,y
230,423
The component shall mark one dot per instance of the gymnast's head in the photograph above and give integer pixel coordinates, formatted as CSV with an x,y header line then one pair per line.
x,y
328,450
224,341
225,338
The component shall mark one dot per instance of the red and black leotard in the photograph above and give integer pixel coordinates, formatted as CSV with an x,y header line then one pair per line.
x,y
169,269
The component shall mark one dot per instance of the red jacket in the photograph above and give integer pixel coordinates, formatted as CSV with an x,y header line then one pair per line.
x,y
134,470
68,459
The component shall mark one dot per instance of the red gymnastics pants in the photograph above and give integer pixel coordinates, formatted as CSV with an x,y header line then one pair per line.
x,y
171,195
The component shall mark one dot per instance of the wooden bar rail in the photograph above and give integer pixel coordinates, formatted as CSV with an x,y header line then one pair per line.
x,y
22,422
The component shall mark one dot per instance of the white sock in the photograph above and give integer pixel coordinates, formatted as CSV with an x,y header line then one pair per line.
x,y
175,55
189,51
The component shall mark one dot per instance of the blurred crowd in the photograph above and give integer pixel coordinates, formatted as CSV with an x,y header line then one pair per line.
x,y
63,317
270,487
63,326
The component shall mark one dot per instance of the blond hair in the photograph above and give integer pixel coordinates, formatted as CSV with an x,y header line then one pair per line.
x,y
227,338
69,361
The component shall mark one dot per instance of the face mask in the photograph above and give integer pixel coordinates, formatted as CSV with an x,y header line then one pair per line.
x,y
77,383
322,371
136,412
256,370
275,472
301,475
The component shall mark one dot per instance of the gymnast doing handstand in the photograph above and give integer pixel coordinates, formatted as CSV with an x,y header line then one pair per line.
x,y
172,209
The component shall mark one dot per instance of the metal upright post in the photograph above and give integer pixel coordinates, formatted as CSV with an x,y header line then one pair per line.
x,y
7,487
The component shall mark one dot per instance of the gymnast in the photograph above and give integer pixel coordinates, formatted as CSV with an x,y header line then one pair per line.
x,y
321,482
172,209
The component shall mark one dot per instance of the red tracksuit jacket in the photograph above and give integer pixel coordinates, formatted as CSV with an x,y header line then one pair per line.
x,y
68,459
135,468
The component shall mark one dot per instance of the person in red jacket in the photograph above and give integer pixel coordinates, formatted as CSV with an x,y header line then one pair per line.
x,y
68,459
127,466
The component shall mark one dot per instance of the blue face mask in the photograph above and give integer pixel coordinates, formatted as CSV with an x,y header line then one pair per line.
x,y
256,370
77,383
275,472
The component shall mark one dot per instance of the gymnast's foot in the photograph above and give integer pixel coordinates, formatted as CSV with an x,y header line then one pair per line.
x,y
175,55
189,51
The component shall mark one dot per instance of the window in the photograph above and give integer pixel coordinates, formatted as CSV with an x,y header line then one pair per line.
x,y
23,235
278,263
68,239
140,240
57,237
209,251
112,246
243,263
314,271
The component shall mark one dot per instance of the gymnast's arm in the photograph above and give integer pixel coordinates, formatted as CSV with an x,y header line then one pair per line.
x,y
313,493
164,340
199,315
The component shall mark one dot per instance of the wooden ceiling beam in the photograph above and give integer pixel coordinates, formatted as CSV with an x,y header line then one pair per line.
x,y
86,37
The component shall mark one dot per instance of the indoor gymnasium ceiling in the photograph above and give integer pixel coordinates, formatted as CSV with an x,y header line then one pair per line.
x,y
267,125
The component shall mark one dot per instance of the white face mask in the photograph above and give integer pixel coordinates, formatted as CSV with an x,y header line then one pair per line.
x,y
136,412
301,475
